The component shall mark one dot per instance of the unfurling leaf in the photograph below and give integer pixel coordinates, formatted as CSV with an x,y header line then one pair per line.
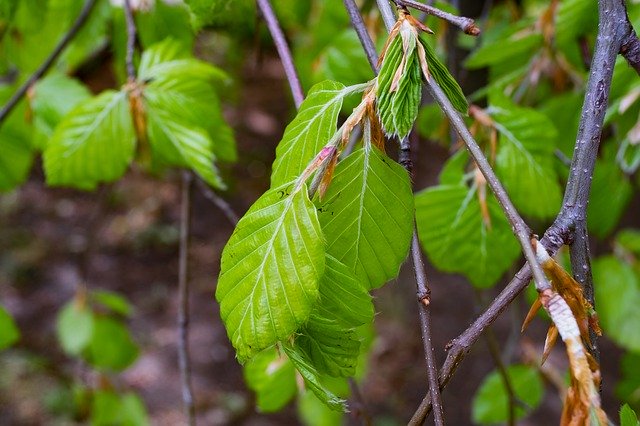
x,y
270,270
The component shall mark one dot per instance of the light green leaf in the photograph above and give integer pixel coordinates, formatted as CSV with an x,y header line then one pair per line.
x,y
109,408
491,404
223,12
115,302
606,206
525,160
312,128
94,143
628,417
179,144
617,291
53,97
9,333
273,378
165,20
314,412
16,154
270,271
629,239
452,232
367,216
505,49
194,101
111,346
312,379
398,109
445,80
74,327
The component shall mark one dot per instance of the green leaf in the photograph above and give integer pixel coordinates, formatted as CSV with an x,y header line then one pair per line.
x,y
9,333
16,154
525,160
344,60
74,327
452,232
111,346
445,80
179,144
628,387
313,412
617,291
273,378
53,97
223,12
628,417
270,270
491,404
367,216
505,50
398,109
110,409
312,128
94,143
606,206
629,239
312,379
165,20
114,301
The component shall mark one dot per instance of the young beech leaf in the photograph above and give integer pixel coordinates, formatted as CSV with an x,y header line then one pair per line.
x,y
74,327
312,378
16,151
273,378
312,128
270,270
452,232
94,143
367,216
445,80
329,338
628,417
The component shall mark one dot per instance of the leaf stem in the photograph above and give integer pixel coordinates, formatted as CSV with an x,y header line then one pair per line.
x,y
283,50
467,25
131,40
183,300
49,61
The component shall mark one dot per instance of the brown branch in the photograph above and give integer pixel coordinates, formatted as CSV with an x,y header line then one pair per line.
x,y
573,214
283,50
467,25
630,48
131,40
218,201
183,300
50,60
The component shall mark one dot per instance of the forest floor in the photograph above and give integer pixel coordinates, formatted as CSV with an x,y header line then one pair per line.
x,y
124,238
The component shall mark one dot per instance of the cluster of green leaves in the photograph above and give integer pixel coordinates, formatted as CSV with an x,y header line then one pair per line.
x,y
295,274
92,327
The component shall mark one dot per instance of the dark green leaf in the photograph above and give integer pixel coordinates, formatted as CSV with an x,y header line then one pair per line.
x,y
270,271
111,346
628,388
504,50
629,239
9,333
110,409
315,413
491,404
606,206
367,216
445,80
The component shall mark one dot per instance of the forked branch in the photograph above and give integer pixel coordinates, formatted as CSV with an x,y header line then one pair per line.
x,y
467,25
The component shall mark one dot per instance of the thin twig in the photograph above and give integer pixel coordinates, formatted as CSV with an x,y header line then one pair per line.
x,y
183,300
131,40
610,37
218,201
50,60
363,34
467,25
283,50
424,311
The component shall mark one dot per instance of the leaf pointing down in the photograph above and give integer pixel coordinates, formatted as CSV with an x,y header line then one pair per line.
x,y
270,271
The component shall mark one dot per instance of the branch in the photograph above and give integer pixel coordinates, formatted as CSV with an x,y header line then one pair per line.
x,y
131,40
467,25
218,201
630,47
183,300
570,225
49,61
283,50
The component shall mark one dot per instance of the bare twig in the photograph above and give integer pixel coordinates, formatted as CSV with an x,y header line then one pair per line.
x,y
467,25
563,230
131,40
283,50
361,30
183,300
50,60
218,201
424,311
